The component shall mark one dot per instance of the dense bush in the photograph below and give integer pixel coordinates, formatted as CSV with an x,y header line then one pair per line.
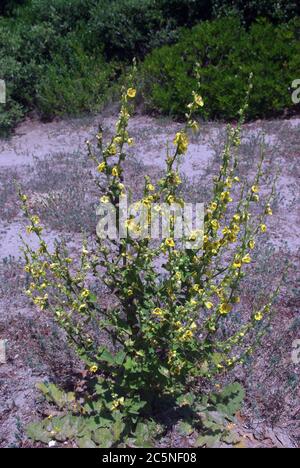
x,y
44,44
227,54
7,6
45,65
129,28
250,10
73,88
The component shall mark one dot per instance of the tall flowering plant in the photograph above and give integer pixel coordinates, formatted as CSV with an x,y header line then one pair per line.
x,y
172,320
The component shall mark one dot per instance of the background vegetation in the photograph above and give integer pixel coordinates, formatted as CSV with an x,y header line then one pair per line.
x,y
65,57
227,53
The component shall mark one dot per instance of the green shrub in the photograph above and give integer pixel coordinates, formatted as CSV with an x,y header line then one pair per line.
x,y
186,12
63,15
126,27
277,11
73,88
46,67
227,54
7,6
11,114
130,28
174,320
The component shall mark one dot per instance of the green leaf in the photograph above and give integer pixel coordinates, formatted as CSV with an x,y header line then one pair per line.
x,y
164,371
117,430
38,433
54,395
93,297
134,407
85,442
106,356
185,428
129,364
120,357
208,441
103,437
186,400
142,436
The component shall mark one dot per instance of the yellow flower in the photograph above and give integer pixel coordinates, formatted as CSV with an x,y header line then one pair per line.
x,y
35,220
225,309
237,264
269,211
182,142
194,126
228,182
130,224
226,231
246,259
158,312
198,100
258,316
236,300
116,403
170,242
150,187
171,356
176,180
178,276
170,199
225,197
94,369
115,171
104,199
208,304
118,140
101,167
251,244
130,141
129,292
85,293
236,218
131,93
215,224
236,229
213,206
255,189
112,150
263,228
187,335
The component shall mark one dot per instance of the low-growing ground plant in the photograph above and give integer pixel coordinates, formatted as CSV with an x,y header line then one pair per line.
x,y
174,320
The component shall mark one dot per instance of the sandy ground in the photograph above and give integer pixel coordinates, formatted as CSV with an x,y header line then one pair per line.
x,y
35,141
